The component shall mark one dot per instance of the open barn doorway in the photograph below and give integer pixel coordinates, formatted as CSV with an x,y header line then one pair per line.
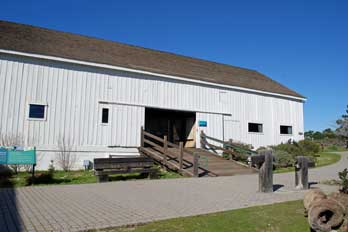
x,y
177,125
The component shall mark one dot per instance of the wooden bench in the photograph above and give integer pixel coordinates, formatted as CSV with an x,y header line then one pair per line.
x,y
107,166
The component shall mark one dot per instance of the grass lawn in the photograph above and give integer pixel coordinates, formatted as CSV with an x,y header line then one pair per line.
x,y
280,217
74,177
324,159
334,149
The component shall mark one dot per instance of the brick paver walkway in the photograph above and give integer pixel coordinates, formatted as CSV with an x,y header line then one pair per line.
x,y
92,206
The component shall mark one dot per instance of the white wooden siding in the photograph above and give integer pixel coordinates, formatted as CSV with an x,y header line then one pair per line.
x,y
74,95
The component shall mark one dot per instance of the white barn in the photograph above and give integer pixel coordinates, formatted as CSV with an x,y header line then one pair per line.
x,y
97,94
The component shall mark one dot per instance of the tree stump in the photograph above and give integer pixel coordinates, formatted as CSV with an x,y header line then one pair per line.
x,y
266,172
326,213
301,172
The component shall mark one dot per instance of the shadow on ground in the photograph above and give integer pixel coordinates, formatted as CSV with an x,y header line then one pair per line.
x,y
276,187
9,217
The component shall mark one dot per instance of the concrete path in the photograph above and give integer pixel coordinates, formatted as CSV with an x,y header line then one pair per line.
x,y
92,206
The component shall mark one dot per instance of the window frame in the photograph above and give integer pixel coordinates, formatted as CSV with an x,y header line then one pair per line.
x,y
257,123
101,115
280,130
40,104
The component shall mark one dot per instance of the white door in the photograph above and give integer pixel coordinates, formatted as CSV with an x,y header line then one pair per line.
x,y
231,128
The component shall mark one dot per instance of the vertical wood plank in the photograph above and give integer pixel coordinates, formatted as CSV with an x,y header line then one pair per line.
x,y
141,136
195,164
165,149
181,155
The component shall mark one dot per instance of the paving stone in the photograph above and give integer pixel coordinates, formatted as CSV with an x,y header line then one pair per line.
x,y
92,206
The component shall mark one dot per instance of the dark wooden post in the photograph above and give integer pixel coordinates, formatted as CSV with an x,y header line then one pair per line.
x,y
102,178
165,149
142,137
301,172
181,155
266,173
195,164
202,139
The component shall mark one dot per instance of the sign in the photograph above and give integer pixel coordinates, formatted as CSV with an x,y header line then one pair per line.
x,y
202,123
12,156
3,156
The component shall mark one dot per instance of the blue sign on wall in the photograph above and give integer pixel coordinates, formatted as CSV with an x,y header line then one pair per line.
x,y
202,123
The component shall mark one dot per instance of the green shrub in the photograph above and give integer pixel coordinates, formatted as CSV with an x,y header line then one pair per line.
x,y
344,181
309,148
261,149
283,159
5,171
303,147
291,148
41,178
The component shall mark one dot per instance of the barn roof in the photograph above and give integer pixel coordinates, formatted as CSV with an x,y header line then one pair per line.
x,y
30,39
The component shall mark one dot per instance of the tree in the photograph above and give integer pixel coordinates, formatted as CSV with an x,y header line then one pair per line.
x,y
309,135
342,123
318,135
328,133
65,159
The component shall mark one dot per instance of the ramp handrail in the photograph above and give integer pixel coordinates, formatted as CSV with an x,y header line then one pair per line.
x,y
227,147
163,149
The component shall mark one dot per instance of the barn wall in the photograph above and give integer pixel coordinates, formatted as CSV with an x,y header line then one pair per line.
x,y
74,95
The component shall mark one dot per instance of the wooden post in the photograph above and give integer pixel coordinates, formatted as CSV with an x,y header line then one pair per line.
x,y
195,164
33,174
301,172
102,178
266,173
142,137
165,149
181,155
202,139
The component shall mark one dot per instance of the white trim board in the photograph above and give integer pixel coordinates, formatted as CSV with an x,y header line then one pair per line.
x,y
156,107
146,73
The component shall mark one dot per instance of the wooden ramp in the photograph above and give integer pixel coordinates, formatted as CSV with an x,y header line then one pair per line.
x,y
189,161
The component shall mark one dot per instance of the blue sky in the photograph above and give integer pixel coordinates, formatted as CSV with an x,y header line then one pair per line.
x,y
301,44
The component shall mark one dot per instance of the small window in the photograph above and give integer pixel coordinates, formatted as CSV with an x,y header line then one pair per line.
x,y
105,115
286,130
255,127
36,111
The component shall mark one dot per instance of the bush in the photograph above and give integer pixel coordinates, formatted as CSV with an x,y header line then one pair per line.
x,y
291,148
41,178
303,147
344,181
5,172
309,148
283,159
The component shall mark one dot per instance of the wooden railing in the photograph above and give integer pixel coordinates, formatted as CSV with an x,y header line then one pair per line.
x,y
227,147
162,145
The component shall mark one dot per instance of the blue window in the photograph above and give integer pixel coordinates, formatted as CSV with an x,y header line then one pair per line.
x,y
37,111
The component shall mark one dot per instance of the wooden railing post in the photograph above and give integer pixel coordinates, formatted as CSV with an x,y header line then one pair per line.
x,y
181,155
142,136
195,164
202,139
165,149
